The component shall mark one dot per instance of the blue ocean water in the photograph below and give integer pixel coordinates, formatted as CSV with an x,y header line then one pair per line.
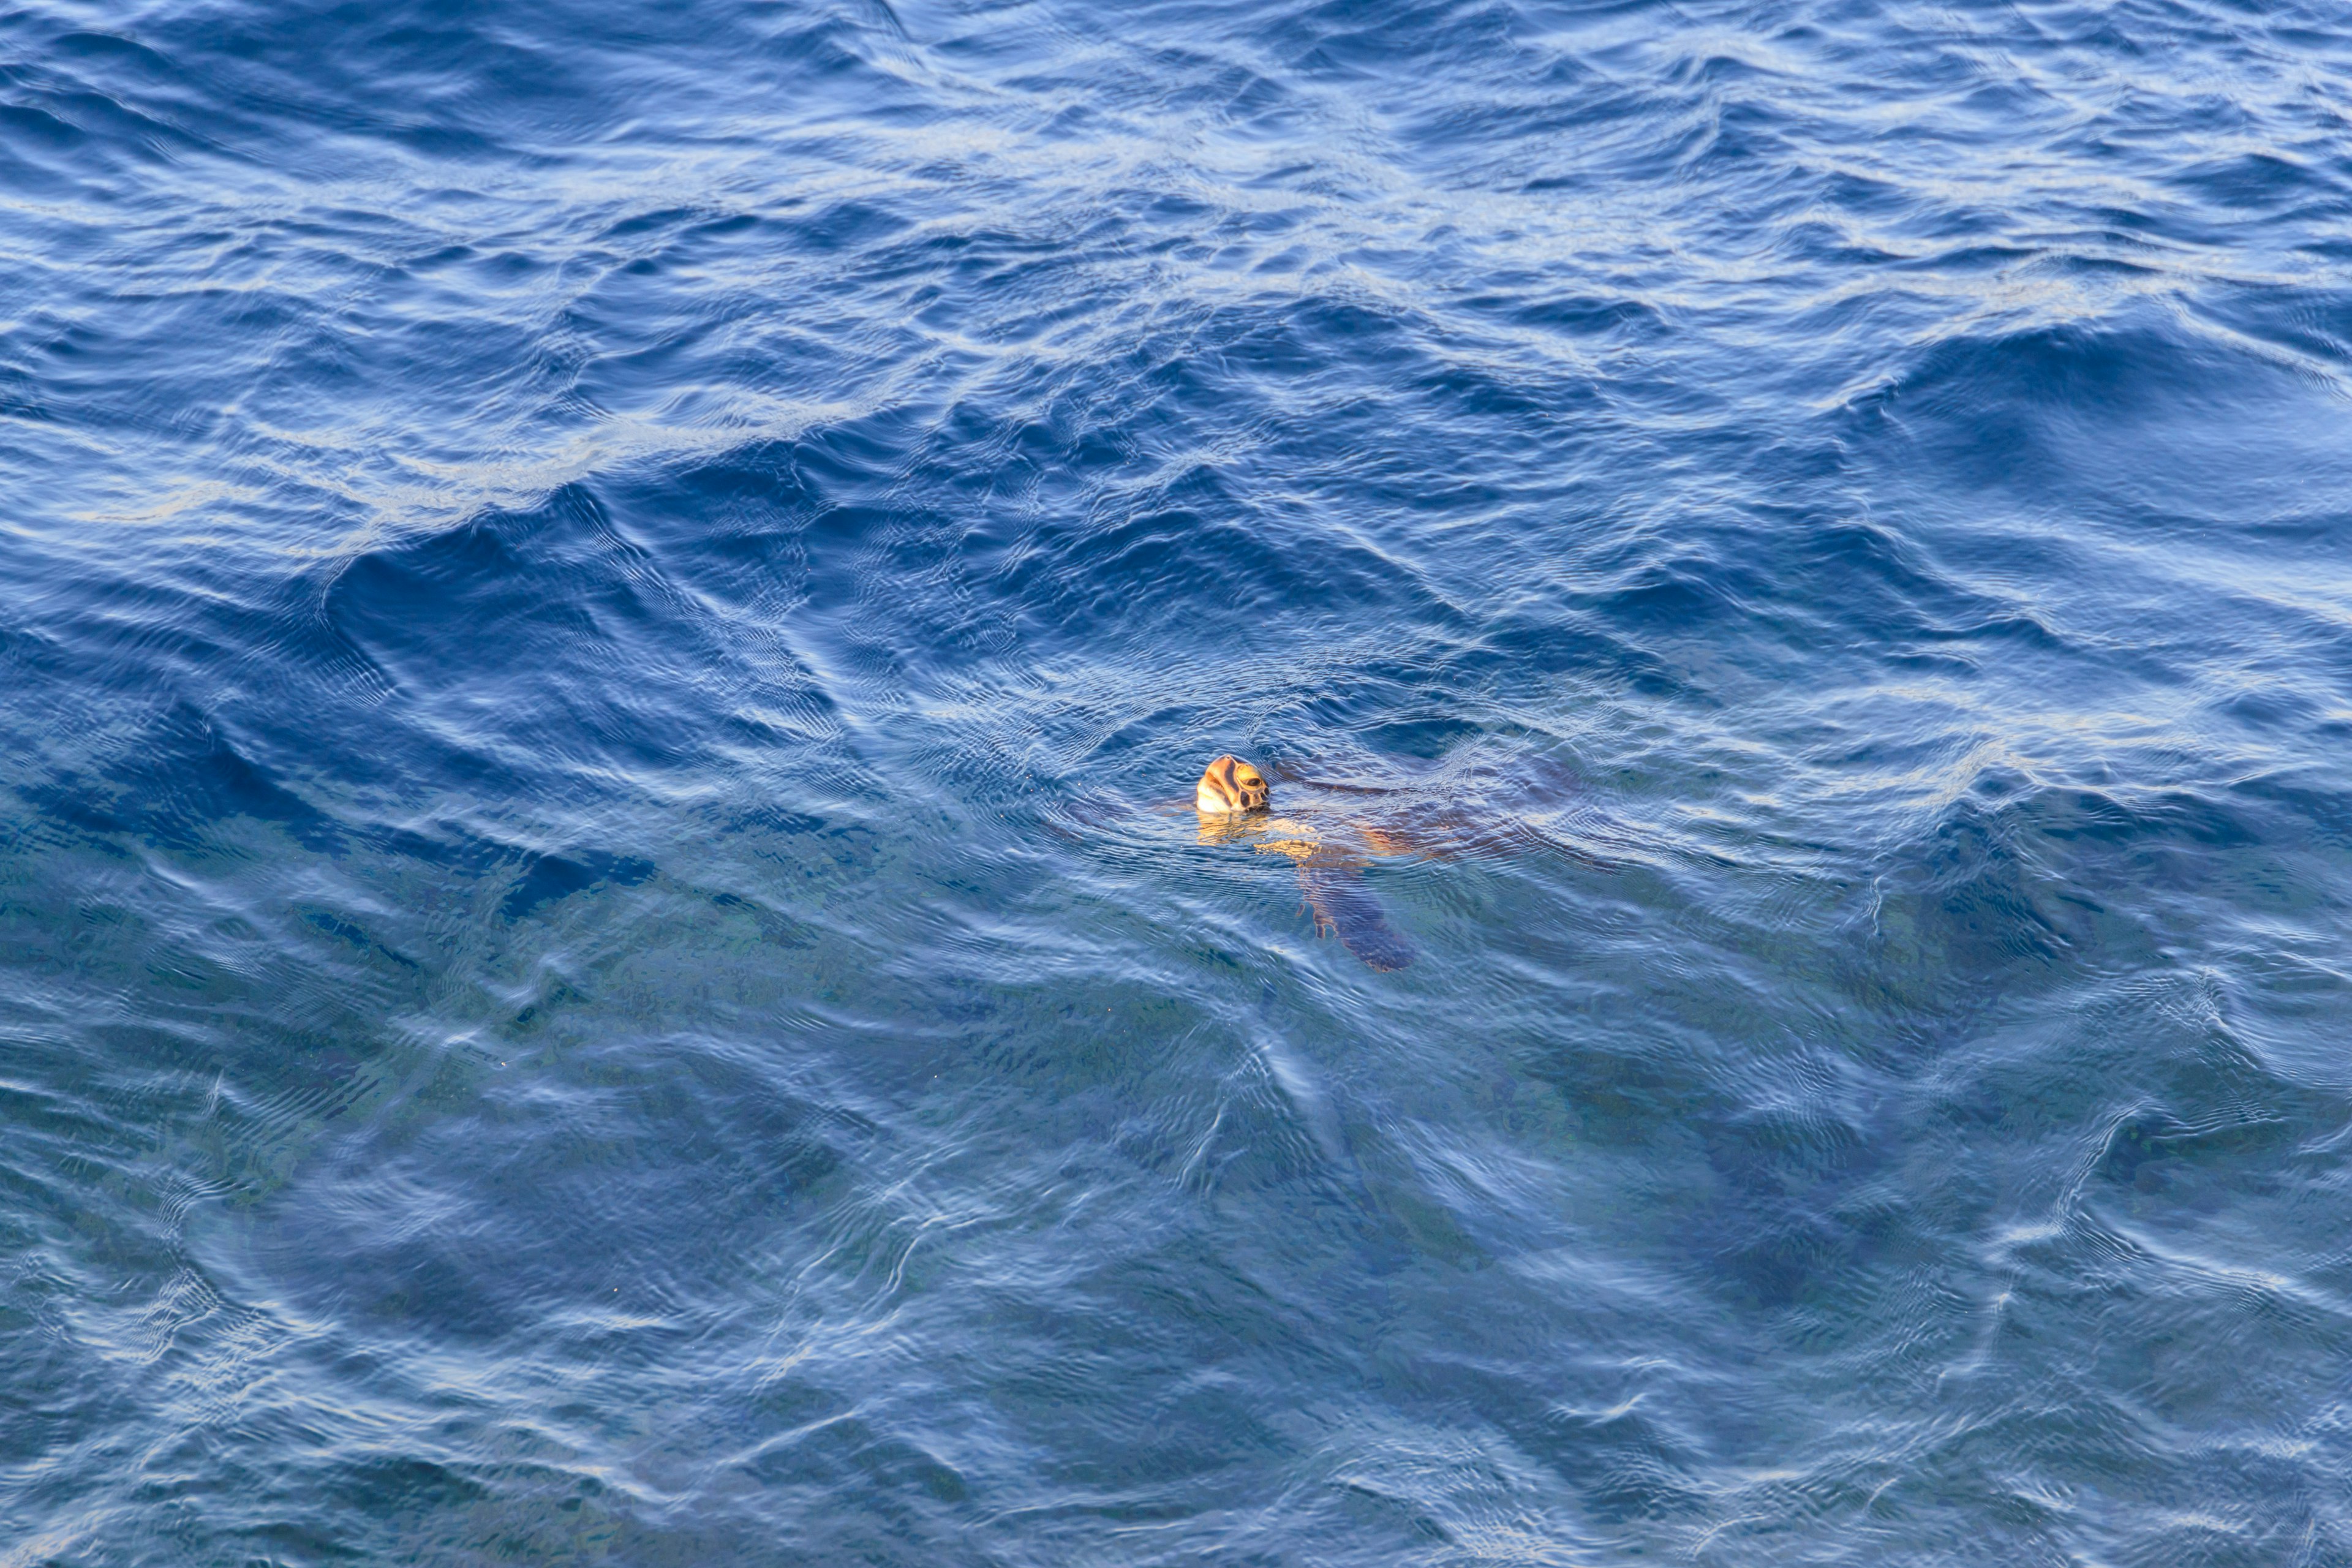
x,y
603,609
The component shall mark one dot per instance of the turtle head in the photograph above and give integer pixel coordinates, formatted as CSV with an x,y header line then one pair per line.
x,y
1231,785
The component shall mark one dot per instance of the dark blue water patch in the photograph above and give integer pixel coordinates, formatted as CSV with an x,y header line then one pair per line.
x,y
2067,375
2258,180
548,878
2154,1151
1186,533
182,777
407,600
537,603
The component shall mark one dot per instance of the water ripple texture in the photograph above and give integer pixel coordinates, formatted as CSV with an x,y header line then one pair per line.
x,y
608,617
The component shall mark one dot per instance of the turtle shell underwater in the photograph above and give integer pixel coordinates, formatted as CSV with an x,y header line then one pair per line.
x,y
1471,807
1232,799
1330,846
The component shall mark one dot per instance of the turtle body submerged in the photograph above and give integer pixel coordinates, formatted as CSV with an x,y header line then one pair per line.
x,y
1473,812
1233,800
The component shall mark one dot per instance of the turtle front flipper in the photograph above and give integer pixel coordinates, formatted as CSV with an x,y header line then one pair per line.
x,y
1336,892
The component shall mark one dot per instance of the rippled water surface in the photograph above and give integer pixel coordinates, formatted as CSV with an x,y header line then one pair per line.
x,y
608,611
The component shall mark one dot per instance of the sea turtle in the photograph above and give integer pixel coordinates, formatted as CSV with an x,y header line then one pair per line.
x,y
1233,797
1341,829
1330,830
